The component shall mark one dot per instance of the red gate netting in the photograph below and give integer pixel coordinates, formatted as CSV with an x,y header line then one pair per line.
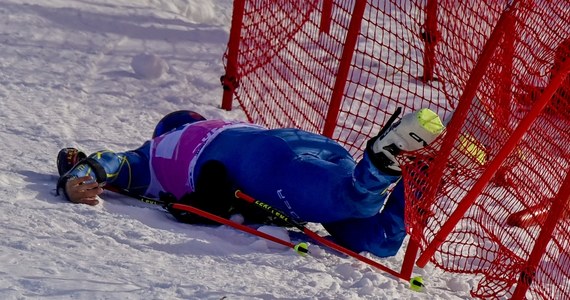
x,y
494,63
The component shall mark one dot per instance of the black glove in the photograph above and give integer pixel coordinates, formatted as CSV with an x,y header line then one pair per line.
x,y
182,215
214,194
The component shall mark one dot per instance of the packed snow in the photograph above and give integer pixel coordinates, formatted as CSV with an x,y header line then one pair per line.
x,y
98,74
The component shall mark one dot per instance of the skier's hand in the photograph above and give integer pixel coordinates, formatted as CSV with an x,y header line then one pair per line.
x,y
83,190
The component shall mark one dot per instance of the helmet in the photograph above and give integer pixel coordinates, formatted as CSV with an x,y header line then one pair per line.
x,y
176,119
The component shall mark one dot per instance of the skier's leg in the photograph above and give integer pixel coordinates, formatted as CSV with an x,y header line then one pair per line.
x,y
355,191
349,189
381,234
312,177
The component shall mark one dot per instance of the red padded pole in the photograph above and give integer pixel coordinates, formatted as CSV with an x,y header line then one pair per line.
x,y
233,50
344,67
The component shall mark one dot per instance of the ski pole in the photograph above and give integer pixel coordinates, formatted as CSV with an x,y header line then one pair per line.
x,y
300,248
134,196
268,208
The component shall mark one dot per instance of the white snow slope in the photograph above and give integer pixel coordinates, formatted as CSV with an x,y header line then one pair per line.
x,y
67,79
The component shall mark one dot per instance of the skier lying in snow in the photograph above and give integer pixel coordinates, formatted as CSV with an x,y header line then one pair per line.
x,y
308,176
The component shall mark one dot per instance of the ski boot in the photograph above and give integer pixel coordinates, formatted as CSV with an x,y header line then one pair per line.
x,y
414,131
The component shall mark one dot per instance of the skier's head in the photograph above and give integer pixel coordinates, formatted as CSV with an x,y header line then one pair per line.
x,y
176,119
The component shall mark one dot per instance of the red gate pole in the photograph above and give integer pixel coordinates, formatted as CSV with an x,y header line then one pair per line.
x,y
230,79
326,14
409,259
557,209
430,37
504,103
344,67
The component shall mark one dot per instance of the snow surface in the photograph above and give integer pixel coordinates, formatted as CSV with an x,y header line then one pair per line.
x,y
67,79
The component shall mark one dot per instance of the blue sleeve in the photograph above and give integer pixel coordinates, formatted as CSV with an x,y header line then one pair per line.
x,y
126,170
381,234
